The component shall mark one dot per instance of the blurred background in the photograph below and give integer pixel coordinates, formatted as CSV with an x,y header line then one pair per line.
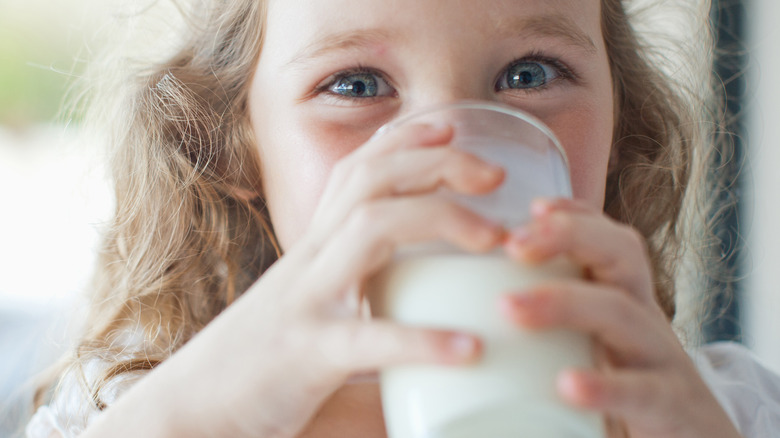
x,y
54,195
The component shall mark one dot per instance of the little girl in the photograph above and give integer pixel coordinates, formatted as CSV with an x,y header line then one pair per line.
x,y
253,204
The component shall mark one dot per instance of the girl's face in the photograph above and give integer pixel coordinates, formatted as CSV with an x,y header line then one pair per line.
x,y
332,72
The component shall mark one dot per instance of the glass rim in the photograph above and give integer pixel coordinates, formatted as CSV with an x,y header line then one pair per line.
x,y
497,107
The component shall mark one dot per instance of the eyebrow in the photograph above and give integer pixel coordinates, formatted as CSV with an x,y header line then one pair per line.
x,y
553,26
339,42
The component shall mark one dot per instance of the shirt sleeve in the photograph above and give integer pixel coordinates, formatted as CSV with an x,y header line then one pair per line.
x,y
45,424
748,391
73,407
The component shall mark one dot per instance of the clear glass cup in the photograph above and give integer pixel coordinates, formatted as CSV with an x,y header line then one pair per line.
x,y
511,392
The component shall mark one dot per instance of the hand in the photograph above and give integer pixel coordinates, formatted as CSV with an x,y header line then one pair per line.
x,y
648,385
268,362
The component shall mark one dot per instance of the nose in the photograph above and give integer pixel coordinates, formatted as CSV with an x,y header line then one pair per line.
x,y
445,78
445,94
452,112
474,119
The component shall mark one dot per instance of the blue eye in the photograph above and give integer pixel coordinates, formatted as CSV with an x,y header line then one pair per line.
x,y
524,75
360,85
356,85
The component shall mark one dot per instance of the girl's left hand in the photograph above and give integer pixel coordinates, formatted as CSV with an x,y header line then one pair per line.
x,y
648,385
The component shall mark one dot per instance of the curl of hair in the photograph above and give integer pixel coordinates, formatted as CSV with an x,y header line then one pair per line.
x,y
190,231
659,175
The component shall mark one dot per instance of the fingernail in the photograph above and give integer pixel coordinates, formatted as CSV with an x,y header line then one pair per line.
x,y
579,387
567,384
520,236
511,305
439,126
540,207
433,134
463,345
528,309
517,242
491,172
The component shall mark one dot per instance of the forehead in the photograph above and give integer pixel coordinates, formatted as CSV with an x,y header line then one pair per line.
x,y
304,21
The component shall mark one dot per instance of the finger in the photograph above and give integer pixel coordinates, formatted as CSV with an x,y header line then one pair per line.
x,y
630,333
408,135
651,403
405,137
543,206
645,397
356,346
370,235
610,252
409,172
423,170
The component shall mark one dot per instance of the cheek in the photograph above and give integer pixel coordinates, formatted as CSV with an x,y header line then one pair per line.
x,y
297,162
586,135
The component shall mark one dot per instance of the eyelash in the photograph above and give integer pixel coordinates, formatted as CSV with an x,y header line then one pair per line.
x,y
564,72
359,69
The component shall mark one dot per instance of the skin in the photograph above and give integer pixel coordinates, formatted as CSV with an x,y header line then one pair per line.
x,y
341,202
427,63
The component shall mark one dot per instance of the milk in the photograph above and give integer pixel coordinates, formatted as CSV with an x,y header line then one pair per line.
x,y
511,391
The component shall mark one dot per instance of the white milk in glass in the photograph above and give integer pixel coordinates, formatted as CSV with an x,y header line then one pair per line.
x,y
511,391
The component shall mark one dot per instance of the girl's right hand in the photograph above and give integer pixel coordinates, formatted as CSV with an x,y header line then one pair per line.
x,y
267,363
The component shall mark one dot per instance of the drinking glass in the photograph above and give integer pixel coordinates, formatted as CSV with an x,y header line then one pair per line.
x,y
511,391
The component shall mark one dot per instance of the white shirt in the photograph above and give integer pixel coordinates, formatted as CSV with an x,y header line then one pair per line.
x,y
748,392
